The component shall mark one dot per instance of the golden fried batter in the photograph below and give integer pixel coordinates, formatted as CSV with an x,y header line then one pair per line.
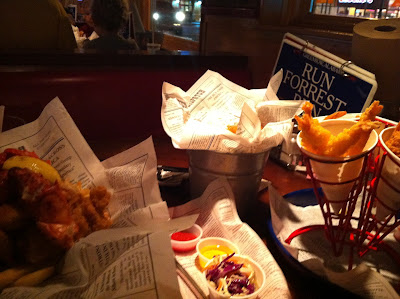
x,y
40,219
88,209
319,140
394,141
62,211
314,136
371,112
335,115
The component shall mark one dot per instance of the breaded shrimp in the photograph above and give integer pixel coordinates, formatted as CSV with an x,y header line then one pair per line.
x,y
335,115
314,136
371,112
351,141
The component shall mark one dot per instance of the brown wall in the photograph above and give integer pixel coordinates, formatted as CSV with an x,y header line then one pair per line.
x,y
144,9
246,36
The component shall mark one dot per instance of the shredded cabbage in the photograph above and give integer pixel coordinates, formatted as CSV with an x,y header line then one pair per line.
x,y
227,277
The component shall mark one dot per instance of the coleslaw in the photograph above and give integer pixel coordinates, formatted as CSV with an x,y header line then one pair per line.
x,y
230,277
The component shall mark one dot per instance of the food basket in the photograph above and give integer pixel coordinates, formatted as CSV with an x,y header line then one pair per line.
x,y
377,217
380,213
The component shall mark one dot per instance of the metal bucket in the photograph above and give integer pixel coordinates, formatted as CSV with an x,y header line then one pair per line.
x,y
243,172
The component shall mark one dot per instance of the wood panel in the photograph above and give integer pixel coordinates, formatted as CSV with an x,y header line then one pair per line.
x,y
261,43
174,43
144,9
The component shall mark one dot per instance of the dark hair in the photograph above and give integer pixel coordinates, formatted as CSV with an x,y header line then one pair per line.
x,y
109,14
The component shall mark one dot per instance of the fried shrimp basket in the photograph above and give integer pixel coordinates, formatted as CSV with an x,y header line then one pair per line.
x,y
369,181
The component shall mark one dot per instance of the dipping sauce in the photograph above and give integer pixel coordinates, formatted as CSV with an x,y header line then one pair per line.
x,y
183,236
214,250
187,239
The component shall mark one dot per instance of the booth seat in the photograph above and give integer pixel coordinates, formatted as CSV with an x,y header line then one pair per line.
x,y
106,103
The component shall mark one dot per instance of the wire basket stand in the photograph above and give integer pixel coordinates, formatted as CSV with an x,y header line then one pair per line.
x,y
337,225
372,227
365,231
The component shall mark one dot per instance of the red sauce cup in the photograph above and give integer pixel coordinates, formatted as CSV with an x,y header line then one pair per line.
x,y
187,239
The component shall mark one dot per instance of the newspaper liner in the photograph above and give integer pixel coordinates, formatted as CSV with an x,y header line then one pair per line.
x,y
198,119
390,172
103,263
218,217
337,172
373,276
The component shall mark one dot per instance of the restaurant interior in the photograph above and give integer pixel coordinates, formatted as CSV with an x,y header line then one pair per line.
x,y
115,97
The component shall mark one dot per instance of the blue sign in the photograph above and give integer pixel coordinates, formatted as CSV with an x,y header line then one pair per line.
x,y
315,78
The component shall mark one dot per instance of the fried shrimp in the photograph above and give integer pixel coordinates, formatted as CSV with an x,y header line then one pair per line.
x,y
336,115
314,136
371,112
351,141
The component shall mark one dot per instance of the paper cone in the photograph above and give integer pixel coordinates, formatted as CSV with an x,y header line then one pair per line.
x,y
337,173
340,171
391,173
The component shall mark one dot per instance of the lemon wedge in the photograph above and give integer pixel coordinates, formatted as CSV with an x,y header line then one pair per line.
x,y
34,164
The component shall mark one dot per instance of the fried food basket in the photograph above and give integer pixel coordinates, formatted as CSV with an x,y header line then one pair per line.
x,y
375,181
380,212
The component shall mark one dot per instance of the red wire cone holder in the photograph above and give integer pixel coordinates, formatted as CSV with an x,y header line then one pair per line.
x,y
369,231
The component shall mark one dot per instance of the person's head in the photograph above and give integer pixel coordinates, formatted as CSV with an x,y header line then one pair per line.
x,y
71,19
108,15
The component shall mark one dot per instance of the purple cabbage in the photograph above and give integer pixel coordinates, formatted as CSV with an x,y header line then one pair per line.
x,y
229,269
237,282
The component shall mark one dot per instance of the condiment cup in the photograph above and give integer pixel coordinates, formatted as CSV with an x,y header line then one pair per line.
x,y
219,244
183,246
260,279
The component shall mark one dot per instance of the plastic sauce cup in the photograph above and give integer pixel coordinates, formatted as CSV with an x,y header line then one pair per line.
x,y
182,243
207,248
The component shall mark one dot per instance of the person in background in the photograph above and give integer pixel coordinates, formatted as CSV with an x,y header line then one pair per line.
x,y
79,35
35,25
108,18
87,26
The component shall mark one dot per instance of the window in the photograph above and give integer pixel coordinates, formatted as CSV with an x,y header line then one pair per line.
x,y
320,15
370,9
333,16
178,17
